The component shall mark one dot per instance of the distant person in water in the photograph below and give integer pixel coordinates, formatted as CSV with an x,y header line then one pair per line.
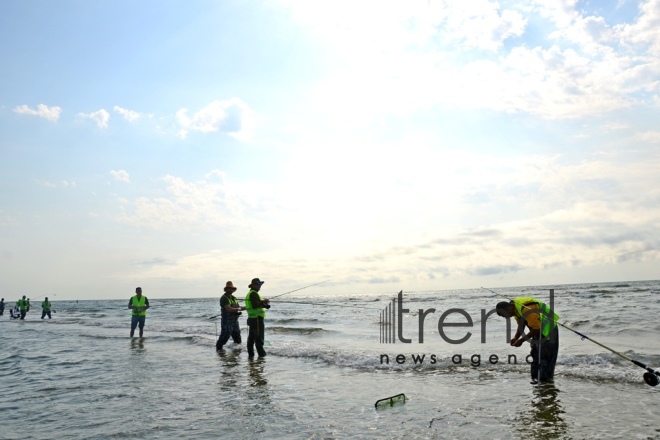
x,y
139,305
230,310
15,312
543,333
23,306
2,306
46,308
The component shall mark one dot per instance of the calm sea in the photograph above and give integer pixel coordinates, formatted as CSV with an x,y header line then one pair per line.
x,y
80,376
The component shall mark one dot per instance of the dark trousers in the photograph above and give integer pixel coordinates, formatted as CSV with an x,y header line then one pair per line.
x,y
23,313
256,336
44,313
229,328
549,350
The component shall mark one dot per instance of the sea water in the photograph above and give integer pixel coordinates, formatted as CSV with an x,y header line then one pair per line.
x,y
80,376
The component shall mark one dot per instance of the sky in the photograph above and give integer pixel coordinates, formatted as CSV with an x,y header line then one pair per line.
x,y
375,145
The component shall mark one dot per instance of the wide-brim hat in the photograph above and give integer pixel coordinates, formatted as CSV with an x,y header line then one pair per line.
x,y
256,282
230,287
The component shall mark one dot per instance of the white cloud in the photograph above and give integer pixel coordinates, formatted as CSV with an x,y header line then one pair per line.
x,y
230,116
62,184
646,30
652,137
121,176
204,204
550,59
477,23
43,111
129,115
471,215
101,117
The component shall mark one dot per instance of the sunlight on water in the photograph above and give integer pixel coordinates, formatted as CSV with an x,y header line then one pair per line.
x,y
80,376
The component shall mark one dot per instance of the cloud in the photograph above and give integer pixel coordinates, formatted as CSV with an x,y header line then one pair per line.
x,y
61,184
101,117
129,115
652,137
121,176
231,116
550,59
202,205
538,213
477,24
43,111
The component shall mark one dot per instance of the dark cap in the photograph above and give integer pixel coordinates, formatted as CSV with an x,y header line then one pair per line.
x,y
502,308
256,282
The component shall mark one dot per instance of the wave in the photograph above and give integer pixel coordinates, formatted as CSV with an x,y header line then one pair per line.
x,y
577,323
601,292
293,320
297,330
604,368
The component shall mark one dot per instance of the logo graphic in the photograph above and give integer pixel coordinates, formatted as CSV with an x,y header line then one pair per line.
x,y
388,322
391,321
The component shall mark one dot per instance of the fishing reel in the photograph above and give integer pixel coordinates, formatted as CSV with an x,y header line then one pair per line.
x,y
651,379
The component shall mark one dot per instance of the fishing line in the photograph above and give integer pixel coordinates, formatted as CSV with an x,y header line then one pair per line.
x,y
326,304
42,296
650,376
282,294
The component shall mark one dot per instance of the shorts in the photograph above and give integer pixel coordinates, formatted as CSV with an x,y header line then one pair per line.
x,y
135,320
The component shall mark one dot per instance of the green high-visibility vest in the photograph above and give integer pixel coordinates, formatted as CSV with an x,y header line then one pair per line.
x,y
45,306
251,311
141,302
22,304
526,305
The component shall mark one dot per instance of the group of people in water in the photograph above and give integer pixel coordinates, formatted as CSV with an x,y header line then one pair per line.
x,y
532,315
255,307
22,307
528,312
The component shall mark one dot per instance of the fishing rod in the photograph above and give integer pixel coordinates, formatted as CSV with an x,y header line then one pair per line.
x,y
282,294
326,304
650,376
42,296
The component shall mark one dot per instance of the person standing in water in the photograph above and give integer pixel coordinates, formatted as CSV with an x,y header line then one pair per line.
x,y
139,305
543,333
229,313
255,307
45,308
23,306
2,306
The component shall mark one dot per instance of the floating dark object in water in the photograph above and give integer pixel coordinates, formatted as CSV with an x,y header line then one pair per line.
x,y
391,401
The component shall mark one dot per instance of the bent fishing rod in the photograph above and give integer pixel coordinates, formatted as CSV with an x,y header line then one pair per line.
x,y
650,376
285,293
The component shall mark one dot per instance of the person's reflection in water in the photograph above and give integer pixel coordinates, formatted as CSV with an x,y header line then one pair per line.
x,y
137,344
543,419
229,373
256,369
